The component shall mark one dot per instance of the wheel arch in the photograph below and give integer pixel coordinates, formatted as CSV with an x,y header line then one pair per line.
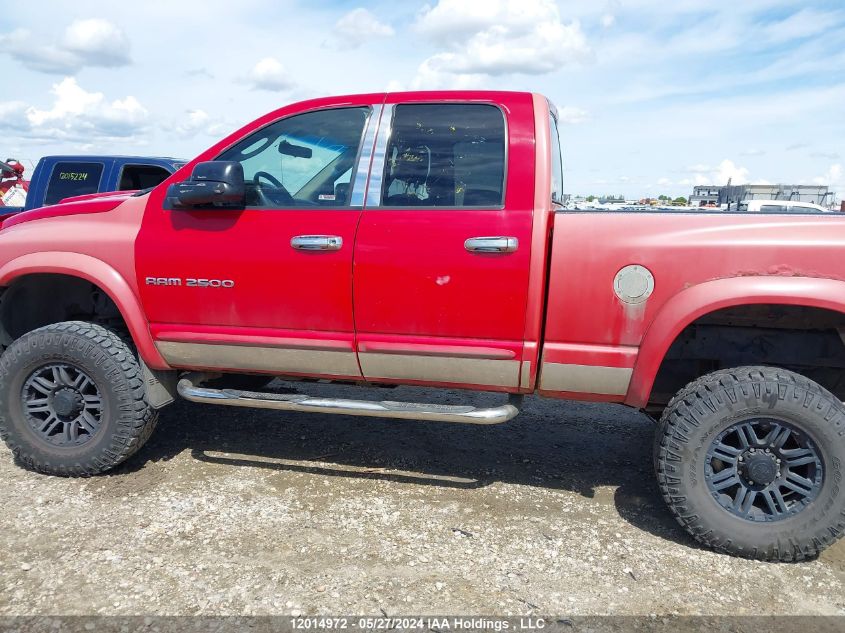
x,y
101,275
702,299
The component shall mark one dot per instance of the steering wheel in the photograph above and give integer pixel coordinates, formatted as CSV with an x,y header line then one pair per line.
x,y
267,200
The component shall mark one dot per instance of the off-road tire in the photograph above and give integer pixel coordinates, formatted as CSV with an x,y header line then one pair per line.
x,y
710,405
127,420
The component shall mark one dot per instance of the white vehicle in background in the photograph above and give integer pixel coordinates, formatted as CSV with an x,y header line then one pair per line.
x,y
781,206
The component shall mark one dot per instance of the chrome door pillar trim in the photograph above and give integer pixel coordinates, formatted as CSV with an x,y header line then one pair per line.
x,y
373,197
362,168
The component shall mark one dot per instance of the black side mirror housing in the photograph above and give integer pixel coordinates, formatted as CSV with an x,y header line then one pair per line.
x,y
215,183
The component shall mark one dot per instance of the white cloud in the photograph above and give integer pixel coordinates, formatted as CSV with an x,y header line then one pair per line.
x,y
433,76
13,115
727,170
394,85
199,73
198,121
450,19
358,26
718,175
77,114
805,23
826,155
97,42
664,182
194,121
92,42
270,74
19,44
496,37
571,114
835,179
608,20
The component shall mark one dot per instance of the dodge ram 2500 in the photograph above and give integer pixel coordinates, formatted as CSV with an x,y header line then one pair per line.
x,y
419,238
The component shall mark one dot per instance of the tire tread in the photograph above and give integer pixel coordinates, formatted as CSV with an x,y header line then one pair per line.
x,y
137,419
709,395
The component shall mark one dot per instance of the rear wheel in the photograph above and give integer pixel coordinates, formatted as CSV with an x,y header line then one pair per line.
x,y
72,400
750,461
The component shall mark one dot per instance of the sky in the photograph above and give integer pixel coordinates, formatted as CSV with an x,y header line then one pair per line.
x,y
655,96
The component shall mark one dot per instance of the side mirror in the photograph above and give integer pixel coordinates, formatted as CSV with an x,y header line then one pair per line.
x,y
215,183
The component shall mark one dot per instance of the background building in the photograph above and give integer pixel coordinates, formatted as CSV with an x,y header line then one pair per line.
x,y
704,195
733,194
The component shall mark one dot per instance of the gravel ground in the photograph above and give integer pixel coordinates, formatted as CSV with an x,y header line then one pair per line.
x,y
235,511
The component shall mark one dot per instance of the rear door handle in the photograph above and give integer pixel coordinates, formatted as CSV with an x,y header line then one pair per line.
x,y
491,244
317,242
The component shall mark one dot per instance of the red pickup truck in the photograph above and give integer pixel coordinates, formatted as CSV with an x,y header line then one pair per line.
x,y
418,238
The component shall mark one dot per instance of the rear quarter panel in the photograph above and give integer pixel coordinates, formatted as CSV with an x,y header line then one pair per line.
x,y
598,347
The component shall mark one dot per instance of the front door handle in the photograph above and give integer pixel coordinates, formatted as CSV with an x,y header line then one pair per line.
x,y
491,244
317,242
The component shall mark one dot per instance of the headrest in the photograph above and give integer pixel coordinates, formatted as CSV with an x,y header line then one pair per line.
x,y
341,193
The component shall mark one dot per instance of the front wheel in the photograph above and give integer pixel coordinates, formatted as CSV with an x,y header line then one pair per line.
x,y
72,400
750,461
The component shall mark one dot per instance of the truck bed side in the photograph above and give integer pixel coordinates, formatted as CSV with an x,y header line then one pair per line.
x,y
601,347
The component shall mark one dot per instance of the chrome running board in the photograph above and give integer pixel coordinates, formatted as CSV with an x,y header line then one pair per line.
x,y
190,390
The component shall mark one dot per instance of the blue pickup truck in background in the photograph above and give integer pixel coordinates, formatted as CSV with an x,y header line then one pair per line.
x,y
59,177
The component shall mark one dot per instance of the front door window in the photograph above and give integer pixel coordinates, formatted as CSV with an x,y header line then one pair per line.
x,y
302,161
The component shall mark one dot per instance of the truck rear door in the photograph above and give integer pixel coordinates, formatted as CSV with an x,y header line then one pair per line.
x,y
443,247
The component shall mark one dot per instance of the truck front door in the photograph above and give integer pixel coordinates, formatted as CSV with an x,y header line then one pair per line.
x,y
443,247
266,287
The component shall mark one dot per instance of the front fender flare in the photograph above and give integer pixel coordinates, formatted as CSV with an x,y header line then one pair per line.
x,y
105,277
694,302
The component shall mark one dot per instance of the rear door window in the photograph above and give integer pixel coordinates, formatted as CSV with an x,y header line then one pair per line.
x,y
445,155
73,179
141,177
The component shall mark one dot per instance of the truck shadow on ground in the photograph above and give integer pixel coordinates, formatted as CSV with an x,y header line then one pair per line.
x,y
601,452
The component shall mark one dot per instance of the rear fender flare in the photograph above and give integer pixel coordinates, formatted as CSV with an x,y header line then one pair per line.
x,y
102,275
694,302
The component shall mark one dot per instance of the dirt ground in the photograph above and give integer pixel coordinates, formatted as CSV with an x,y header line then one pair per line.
x,y
235,511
